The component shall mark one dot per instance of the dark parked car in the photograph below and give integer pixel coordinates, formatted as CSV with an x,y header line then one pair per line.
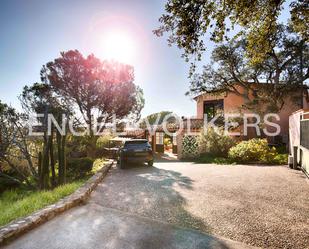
x,y
135,150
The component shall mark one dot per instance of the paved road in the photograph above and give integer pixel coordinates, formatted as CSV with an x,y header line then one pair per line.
x,y
257,205
261,206
94,226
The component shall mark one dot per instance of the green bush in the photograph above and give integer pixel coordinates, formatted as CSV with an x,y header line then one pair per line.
x,y
97,165
79,167
209,158
6,183
280,159
167,141
104,141
77,146
254,150
215,143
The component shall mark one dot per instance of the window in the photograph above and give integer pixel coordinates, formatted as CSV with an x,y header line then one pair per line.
x,y
213,108
136,144
174,139
159,137
304,133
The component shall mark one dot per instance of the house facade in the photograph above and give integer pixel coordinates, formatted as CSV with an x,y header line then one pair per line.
x,y
228,102
212,104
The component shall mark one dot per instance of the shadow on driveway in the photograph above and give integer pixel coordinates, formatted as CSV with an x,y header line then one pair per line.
x,y
112,218
150,192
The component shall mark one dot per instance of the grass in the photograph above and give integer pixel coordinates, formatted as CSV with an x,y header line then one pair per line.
x,y
19,203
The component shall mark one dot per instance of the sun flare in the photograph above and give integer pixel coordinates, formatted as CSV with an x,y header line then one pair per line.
x,y
118,46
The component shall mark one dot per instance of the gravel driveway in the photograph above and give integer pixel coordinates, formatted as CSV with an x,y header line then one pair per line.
x,y
258,205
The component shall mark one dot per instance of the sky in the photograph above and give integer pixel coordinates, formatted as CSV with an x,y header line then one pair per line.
x,y
34,32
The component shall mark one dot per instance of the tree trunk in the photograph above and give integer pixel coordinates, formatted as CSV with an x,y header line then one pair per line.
x,y
40,164
60,167
64,161
91,146
52,160
44,178
61,143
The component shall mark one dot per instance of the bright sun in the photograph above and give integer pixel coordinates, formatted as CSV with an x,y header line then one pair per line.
x,y
118,46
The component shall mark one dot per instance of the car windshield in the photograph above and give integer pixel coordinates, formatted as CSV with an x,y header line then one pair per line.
x,y
136,145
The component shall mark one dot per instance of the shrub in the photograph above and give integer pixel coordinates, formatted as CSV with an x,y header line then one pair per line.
x,y
215,143
189,146
209,158
167,141
97,165
7,183
77,146
253,150
280,159
79,167
104,141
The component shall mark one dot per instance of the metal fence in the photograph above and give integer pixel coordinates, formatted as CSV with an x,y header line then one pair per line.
x,y
304,130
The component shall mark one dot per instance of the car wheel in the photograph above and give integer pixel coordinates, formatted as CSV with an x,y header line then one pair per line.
x,y
150,163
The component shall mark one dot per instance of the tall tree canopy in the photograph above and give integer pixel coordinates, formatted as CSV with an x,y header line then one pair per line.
x,y
188,22
285,68
99,89
158,118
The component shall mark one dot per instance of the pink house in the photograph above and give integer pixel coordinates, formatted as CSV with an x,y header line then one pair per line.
x,y
212,104
224,103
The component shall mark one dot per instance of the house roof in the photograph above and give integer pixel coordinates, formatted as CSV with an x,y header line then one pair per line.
x,y
187,123
218,91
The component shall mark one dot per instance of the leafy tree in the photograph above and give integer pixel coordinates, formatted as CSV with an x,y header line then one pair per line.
x,y
100,90
95,86
40,98
270,82
189,22
300,18
157,118
14,146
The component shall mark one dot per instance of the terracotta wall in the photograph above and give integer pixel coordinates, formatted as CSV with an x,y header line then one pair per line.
x,y
233,102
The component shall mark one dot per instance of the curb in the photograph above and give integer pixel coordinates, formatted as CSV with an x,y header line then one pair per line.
x,y
80,196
